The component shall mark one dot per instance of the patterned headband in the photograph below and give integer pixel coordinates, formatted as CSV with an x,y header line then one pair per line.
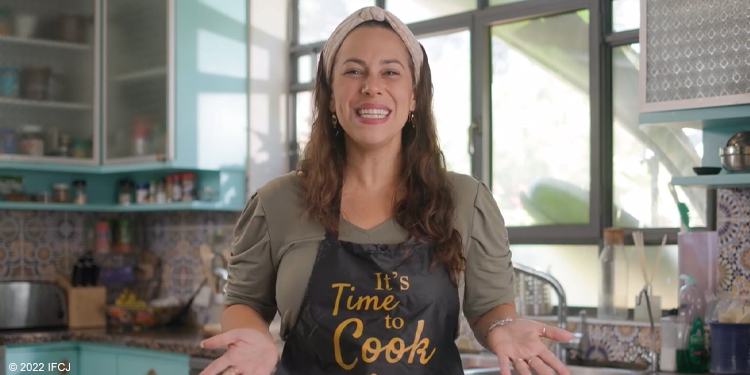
x,y
371,13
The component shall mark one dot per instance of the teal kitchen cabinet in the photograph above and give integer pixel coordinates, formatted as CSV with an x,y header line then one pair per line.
x,y
72,358
52,359
49,97
99,359
175,84
171,96
693,74
152,363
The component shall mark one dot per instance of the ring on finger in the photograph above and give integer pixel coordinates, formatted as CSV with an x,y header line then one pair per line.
x,y
544,331
532,360
231,371
518,360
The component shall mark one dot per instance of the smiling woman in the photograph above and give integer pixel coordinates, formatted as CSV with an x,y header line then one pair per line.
x,y
371,249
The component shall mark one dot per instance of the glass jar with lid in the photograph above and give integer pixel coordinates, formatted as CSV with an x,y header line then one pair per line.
x,y
79,192
31,140
7,141
60,193
9,81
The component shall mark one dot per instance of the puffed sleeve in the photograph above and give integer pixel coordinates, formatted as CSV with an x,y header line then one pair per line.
x,y
489,277
252,275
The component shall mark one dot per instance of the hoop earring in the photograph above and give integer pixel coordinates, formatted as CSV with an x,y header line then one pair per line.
x,y
335,124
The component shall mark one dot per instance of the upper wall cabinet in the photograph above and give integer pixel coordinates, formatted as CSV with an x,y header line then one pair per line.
x,y
49,81
695,55
175,83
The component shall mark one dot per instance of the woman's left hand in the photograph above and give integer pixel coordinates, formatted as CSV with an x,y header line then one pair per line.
x,y
520,343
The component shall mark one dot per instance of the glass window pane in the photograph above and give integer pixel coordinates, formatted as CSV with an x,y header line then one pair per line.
x,y
304,119
647,157
451,79
575,266
541,120
410,11
304,69
626,15
318,18
501,2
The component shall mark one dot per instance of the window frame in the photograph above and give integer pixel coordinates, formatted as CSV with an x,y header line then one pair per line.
x,y
602,41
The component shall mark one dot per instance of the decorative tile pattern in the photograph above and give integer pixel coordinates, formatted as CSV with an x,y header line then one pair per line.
x,y
701,49
36,244
733,227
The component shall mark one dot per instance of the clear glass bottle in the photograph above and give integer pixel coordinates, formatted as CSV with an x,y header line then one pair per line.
x,y
79,192
613,283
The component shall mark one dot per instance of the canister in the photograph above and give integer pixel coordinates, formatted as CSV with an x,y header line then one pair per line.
x,y
32,140
7,141
9,81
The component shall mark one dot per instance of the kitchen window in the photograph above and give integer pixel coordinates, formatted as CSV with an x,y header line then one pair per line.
x,y
543,107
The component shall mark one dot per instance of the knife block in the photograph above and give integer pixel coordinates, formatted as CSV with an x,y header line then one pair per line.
x,y
86,306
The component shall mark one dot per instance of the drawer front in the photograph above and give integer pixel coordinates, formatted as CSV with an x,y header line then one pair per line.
x,y
48,362
97,363
141,365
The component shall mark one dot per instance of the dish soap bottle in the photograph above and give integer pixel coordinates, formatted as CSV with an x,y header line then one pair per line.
x,y
692,357
692,302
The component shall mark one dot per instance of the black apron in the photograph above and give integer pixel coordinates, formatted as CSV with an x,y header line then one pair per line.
x,y
375,310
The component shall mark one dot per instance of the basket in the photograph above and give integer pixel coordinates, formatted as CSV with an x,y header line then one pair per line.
x,y
136,319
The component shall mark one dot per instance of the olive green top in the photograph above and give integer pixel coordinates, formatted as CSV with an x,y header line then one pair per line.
x,y
275,245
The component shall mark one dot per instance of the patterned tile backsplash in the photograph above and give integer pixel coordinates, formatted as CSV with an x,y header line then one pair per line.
x,y
733,227
36,244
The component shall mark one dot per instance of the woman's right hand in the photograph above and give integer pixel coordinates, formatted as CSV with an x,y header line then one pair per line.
x,y
249,352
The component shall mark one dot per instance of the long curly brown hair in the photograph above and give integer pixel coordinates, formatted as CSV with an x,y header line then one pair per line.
x,y
426,209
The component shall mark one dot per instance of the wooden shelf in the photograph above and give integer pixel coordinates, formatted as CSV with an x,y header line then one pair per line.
x,y
178,206
143,74
45,104
43,43
722,180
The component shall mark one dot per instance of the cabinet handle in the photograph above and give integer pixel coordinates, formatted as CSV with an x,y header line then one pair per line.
x,y
151,372
65,366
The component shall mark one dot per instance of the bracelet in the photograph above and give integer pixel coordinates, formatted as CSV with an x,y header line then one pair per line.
x,y
496,324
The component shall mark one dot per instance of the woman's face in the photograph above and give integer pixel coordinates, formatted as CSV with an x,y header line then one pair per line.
x,y
372,86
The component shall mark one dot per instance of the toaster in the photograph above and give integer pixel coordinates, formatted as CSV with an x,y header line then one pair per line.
x,y
32,304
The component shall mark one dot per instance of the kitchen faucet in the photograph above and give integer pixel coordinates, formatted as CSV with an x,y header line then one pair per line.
x,y
653,360
580,341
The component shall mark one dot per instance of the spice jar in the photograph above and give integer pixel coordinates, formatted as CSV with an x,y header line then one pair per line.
x,y
7,141
141,194
5,21
79,192
35,82
125,193
188,186
60,193
161,192
32,140
10,81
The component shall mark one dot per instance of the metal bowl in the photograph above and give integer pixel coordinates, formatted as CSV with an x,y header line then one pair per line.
x,y
734,158
740,139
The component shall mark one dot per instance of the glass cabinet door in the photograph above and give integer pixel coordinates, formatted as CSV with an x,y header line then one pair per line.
x,y
136,86
48,81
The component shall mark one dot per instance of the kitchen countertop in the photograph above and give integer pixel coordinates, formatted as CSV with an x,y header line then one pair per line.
x,y
176,340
